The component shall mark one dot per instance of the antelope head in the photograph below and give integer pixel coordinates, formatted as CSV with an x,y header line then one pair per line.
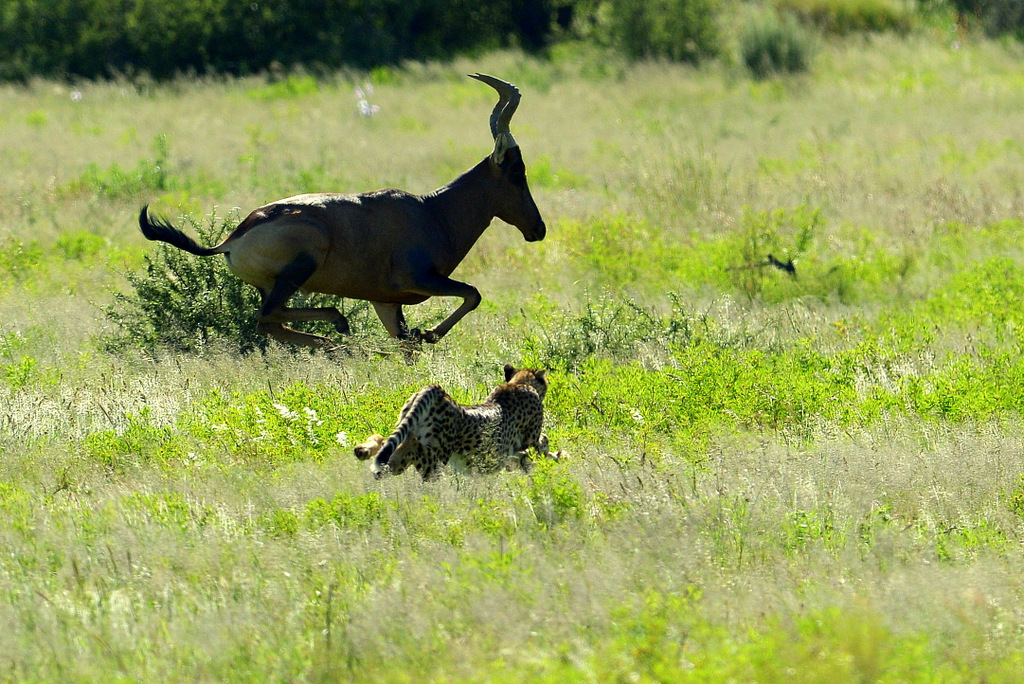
x,y
514,203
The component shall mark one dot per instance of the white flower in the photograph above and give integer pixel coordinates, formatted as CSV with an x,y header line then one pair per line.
x,y
363,96
367,109
342,438
286,412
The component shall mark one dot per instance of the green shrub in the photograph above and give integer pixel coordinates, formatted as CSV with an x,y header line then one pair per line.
x,y
770,44
138,442
681,30
358,511
20,373
268,429
605,328
78,245
802,528
848,16
170,510
1015,498
18,260
182,302
554,495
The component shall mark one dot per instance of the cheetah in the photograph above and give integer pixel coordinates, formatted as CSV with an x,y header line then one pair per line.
x,y
433,430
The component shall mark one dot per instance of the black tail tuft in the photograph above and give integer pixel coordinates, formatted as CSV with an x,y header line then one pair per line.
x,y
162,231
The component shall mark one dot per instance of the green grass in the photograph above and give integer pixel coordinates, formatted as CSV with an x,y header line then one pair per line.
x,y
770,476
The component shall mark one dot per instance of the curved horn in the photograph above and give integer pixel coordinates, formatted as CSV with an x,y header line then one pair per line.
x,y
509,97
508,100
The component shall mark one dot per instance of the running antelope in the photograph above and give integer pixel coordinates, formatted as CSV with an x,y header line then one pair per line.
x,y
388,247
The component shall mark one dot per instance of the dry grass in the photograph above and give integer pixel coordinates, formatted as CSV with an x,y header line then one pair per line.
x,y
888,549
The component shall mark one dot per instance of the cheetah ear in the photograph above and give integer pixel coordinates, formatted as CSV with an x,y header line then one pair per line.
x,y
510,370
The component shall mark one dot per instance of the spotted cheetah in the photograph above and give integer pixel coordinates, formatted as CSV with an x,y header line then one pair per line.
x,y
433,430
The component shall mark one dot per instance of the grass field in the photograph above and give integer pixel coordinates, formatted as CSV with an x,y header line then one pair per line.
x,y
771,478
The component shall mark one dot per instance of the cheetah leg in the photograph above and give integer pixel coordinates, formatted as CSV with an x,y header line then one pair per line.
x,y
407,453
430,464
525,462
369,448
542,448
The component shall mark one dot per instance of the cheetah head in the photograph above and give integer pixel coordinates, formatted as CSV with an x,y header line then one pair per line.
x,y
527,376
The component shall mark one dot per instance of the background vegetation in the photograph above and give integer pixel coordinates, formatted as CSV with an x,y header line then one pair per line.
x,y
803,476
153,38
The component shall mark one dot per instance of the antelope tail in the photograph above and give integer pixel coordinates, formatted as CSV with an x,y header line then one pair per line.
x,y
162,231
409,420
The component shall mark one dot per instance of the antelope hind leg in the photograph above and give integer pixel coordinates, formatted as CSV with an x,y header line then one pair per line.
x,y
282,333
323,313
274,314
394,322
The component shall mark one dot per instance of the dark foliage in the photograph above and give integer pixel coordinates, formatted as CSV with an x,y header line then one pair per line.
x,y
997,17
771,45
98,38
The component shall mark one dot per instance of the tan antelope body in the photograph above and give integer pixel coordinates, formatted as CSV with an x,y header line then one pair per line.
x,y
388,247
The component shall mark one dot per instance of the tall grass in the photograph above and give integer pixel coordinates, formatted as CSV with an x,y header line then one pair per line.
x,y
771,474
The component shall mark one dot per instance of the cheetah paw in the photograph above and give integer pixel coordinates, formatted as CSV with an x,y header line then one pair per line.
x,y
369,448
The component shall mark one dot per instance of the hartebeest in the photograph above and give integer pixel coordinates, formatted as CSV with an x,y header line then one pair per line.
x,y
388,247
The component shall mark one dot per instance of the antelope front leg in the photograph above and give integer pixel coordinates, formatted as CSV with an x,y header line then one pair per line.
x,y
440,286
393,319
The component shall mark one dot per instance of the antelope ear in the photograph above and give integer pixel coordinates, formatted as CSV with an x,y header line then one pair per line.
x,y
510,370
541,374
503,142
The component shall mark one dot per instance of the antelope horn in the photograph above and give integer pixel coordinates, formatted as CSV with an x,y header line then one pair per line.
x,y
508,100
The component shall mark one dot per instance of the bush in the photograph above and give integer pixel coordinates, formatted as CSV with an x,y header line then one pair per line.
x,y
100,38
607,327
183,302
770,44
848,16
681,30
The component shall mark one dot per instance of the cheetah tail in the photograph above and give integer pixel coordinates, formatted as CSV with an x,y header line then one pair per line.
x,y
412,414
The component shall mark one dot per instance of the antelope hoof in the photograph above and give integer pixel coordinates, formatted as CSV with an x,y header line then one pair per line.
x,y
428,336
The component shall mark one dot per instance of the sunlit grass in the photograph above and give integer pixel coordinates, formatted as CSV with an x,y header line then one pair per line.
x,y
771,475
